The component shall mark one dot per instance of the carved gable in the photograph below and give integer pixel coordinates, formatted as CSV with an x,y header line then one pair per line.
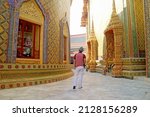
x,y
30,11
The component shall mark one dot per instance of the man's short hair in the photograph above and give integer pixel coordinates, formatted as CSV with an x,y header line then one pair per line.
x,y
81,49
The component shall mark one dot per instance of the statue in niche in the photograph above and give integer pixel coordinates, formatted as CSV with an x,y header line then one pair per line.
x,y
27,46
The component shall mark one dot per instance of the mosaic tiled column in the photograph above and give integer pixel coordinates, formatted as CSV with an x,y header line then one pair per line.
x,y
117,69
131,51
139,23
147,28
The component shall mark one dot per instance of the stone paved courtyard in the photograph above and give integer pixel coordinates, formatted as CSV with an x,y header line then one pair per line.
x,y
95,87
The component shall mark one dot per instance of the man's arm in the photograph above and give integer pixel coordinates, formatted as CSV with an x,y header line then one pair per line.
x,y
74,60
84,60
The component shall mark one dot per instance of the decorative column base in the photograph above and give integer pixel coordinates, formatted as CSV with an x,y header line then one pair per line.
x,y
100,68
117,69
92,66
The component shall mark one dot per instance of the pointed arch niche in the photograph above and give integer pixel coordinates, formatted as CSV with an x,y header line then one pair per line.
x,y
30,37
64,41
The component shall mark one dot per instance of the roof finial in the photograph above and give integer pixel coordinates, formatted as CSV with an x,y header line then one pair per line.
x,y
114,6
92,33
92,30
92,24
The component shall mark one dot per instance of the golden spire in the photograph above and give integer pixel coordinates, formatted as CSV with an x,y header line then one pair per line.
x,y
92,25
92,30
92,33
114,7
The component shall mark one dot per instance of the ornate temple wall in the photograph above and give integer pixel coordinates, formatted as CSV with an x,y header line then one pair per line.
x,y
147,34
47,23
134,39
56,10
53,12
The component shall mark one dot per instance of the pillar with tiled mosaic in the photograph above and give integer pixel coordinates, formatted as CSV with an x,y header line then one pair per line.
x,y
125,31
133,23
147,35
130,38
139,15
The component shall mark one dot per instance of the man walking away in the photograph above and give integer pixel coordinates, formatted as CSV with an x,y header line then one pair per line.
x,y
79,64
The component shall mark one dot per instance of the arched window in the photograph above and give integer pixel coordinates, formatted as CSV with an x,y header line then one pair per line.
x,y
64,41
30,33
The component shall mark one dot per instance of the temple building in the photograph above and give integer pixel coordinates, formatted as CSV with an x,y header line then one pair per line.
x,y
126,51
34,42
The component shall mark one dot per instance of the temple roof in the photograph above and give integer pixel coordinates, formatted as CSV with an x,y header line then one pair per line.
x,y
114,21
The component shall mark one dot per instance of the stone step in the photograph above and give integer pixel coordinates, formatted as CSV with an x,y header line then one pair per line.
x,y
127,73
134,67
99,70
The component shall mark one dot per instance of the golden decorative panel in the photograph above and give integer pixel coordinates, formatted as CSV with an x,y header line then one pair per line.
x,y
4,27
30,10
20,75
56,10
139,14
